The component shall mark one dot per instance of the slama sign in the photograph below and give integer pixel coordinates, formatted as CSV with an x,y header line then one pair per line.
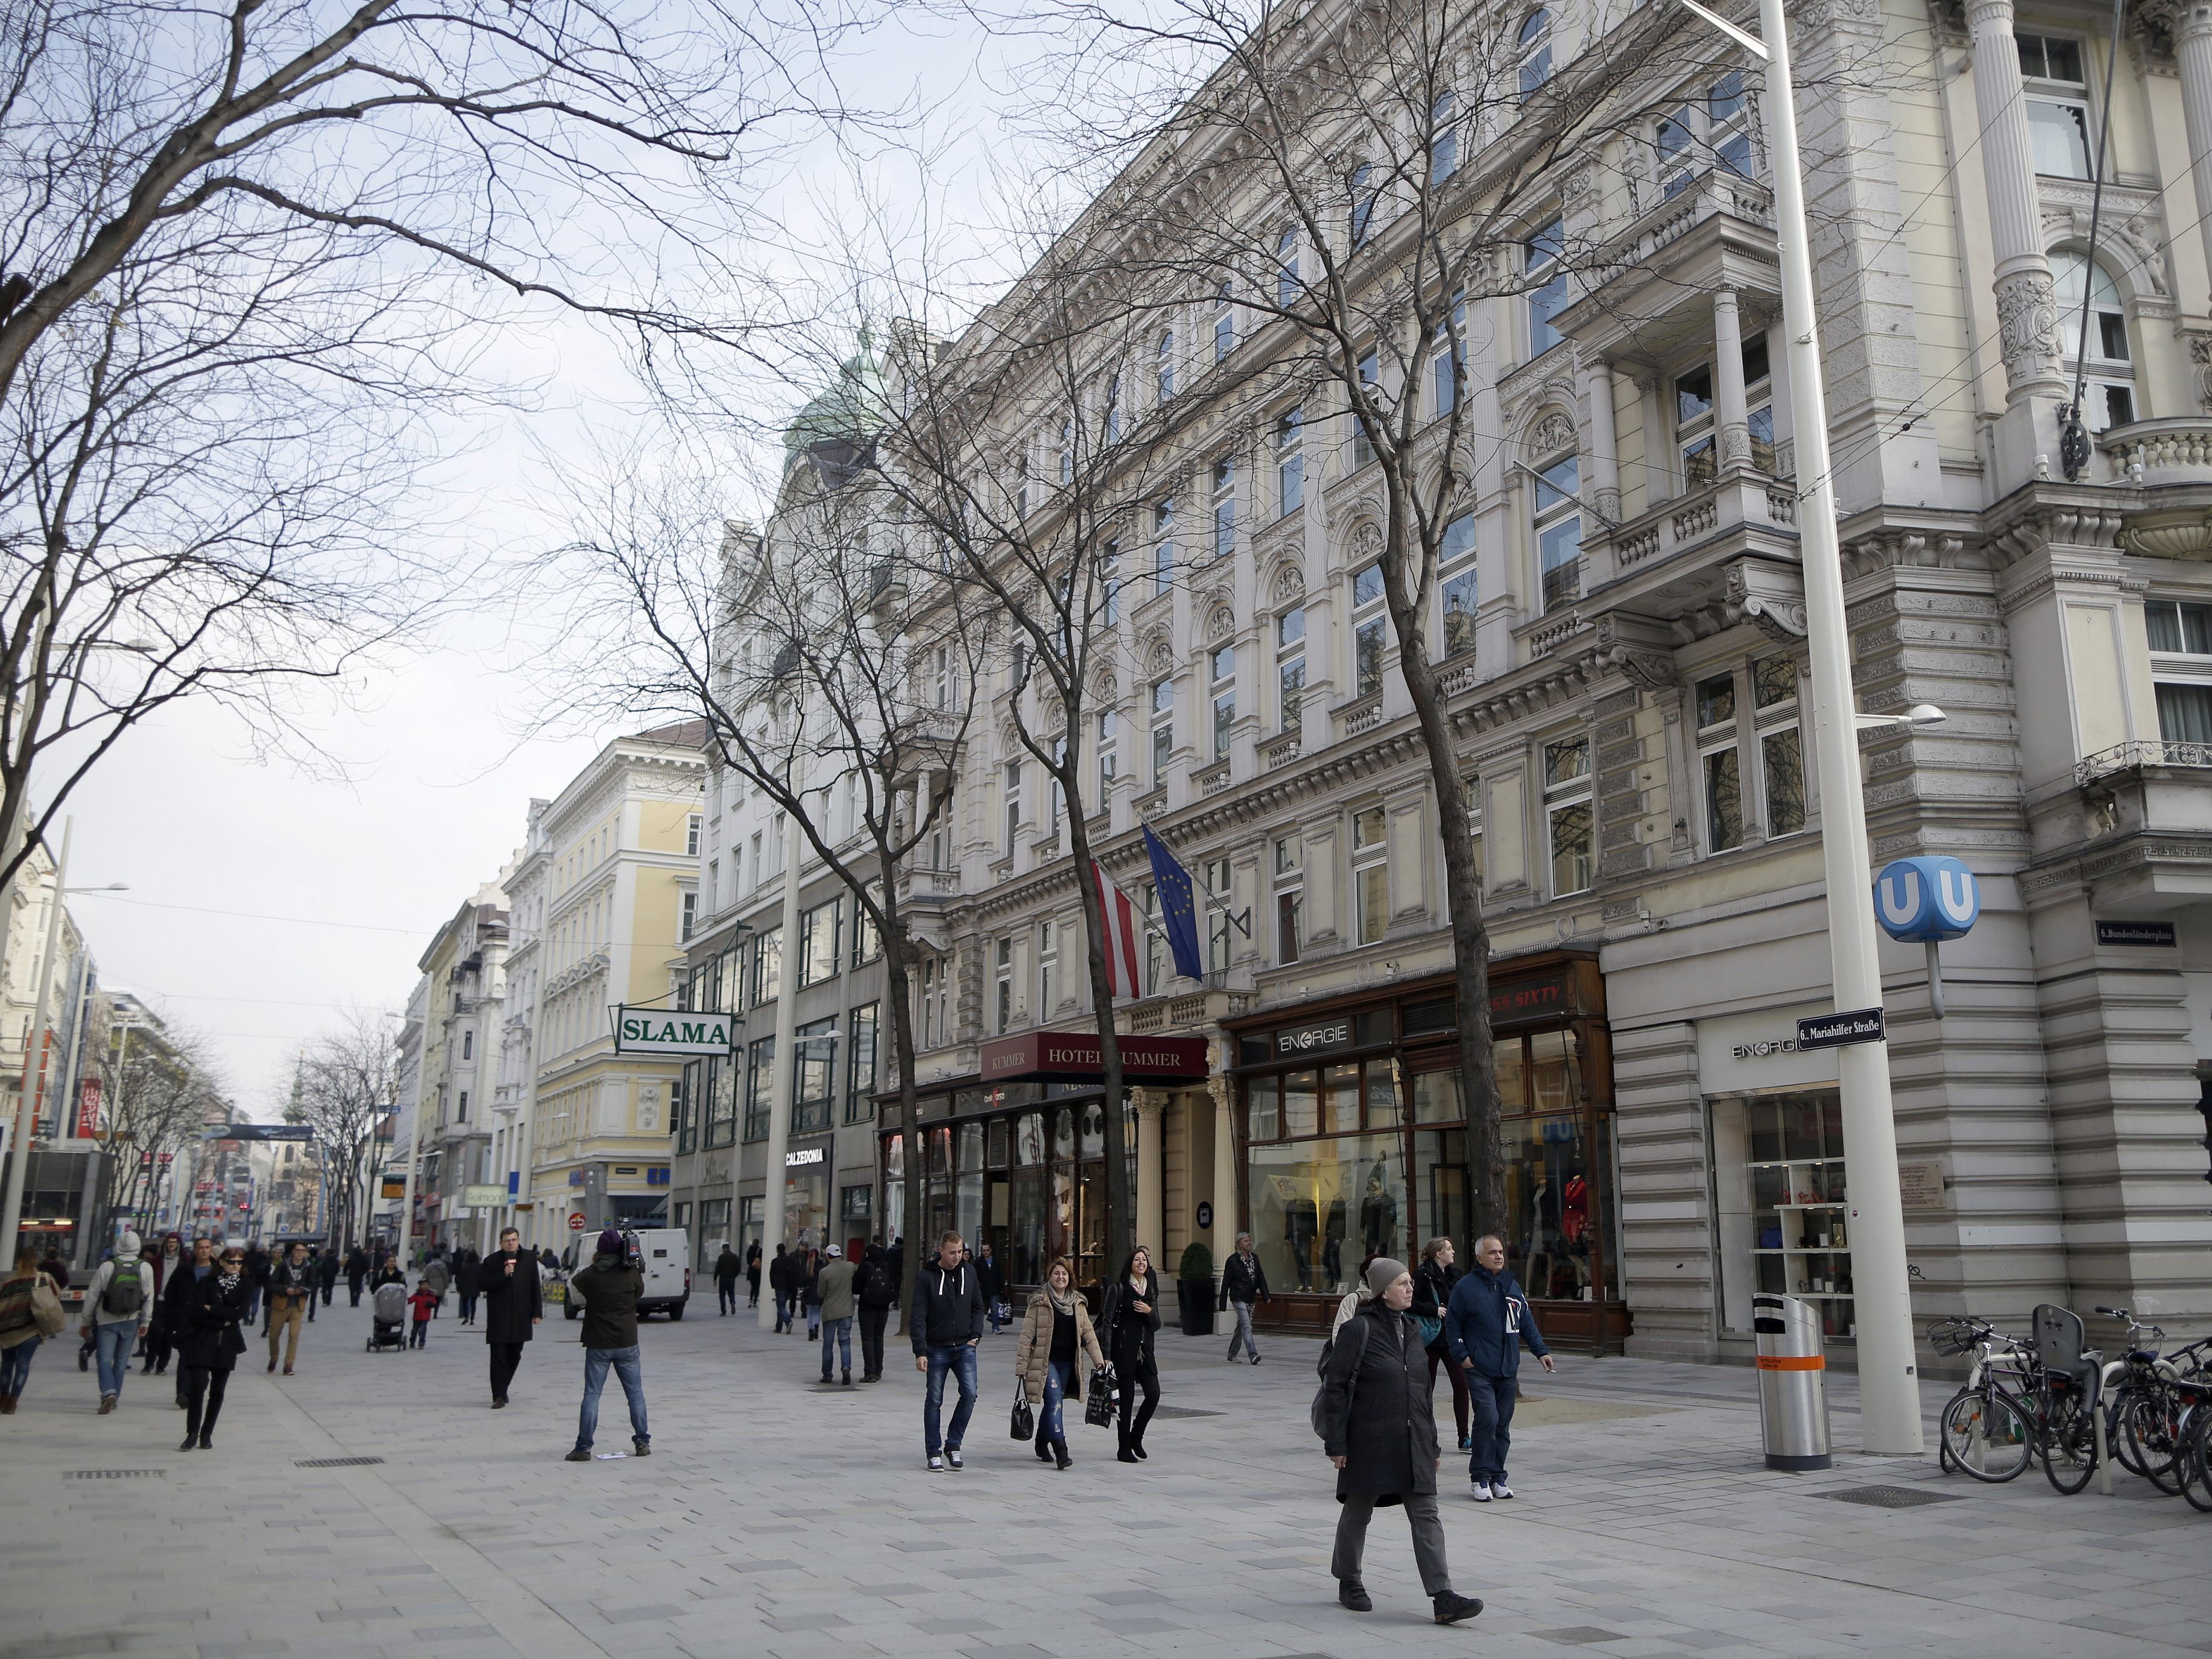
x,y
666,1031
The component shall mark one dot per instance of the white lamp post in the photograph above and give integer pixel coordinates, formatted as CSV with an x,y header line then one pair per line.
x,y
1889,1384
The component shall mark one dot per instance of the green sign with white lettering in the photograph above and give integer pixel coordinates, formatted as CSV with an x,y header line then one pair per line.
x,y
672,1031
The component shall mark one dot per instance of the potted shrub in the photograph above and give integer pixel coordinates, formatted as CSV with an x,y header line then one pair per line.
x,y
1194,1289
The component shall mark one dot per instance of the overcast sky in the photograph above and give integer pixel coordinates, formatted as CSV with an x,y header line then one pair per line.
x,y
265,901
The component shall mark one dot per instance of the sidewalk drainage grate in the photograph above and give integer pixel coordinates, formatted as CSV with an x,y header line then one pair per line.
x,y
1890,1498
113,1474
333,1462
1189,1411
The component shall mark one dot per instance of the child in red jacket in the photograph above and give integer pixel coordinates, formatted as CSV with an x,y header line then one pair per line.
x,y
424,1302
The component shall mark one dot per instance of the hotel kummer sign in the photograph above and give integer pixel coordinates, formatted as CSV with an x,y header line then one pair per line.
x,y
1074,1057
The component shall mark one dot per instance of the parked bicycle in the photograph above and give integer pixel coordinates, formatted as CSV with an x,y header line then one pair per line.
x,y
1984,1432
2148,1401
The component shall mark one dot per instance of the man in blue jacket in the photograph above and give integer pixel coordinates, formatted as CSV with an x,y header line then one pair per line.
x,y
1486,1323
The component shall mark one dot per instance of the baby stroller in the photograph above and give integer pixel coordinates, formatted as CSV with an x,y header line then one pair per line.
x,y
388,1323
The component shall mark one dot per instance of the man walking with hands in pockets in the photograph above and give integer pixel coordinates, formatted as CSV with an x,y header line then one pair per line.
x,y
1485,1322
946,1318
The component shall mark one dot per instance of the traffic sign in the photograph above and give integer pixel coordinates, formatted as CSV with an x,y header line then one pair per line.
x,y
1926,899
576,1221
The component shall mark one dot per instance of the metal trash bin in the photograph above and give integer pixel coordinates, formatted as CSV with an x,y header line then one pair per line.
x,y
1793,1382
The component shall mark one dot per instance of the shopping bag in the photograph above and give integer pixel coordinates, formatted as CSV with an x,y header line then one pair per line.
x,y
46,1310
1099,1409
1023,1424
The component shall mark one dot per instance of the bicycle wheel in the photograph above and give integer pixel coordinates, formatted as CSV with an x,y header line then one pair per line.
x,y
2069,1442
2192,1460
2148,1437
1984,1435
2118,1405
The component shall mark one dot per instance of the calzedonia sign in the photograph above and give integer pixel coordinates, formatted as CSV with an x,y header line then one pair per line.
x,y
666,1031
1074,1057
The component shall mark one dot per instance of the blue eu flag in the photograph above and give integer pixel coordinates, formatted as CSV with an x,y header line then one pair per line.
x,y
1178,907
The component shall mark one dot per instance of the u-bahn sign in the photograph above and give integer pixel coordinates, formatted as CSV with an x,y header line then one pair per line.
x,y
672,1031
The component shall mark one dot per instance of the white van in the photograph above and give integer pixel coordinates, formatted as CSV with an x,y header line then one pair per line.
x,y
665,1254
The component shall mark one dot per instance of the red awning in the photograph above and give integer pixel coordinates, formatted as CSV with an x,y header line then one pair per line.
x,y
1073,1057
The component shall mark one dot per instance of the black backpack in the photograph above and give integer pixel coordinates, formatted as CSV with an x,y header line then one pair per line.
x,y
125,1296
1321,1370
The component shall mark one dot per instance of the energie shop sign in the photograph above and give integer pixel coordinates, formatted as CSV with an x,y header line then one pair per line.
x,y
672,1031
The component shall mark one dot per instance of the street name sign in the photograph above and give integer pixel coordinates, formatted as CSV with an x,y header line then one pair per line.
x,y
1841,1031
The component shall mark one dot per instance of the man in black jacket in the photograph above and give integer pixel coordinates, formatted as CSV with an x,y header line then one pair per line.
x,y
874,1290
778,1286
513,1305
945,1319
608,1289
356,1271
1243,1282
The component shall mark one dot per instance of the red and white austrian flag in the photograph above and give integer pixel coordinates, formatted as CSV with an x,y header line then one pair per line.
x,y
1120,915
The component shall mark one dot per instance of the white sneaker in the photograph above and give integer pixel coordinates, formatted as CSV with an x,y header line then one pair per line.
x,y
1500,1491
936,1465
1482,1491
952,1458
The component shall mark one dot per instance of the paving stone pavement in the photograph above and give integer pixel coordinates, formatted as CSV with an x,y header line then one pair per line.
x,y
777,1518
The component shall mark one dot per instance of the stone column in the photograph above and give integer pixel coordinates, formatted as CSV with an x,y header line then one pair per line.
x,y
2026,311
2192,52
1150,1177
1225,1184
1604,441
1731,409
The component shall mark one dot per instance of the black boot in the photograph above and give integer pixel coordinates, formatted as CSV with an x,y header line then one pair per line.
x,y
1043,1446
1060,1453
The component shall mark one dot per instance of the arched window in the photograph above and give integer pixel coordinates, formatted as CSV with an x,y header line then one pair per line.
x,y
2109,397
1534,51
1556,524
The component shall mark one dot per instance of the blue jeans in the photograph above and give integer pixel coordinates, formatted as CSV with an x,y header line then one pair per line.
x,y
16,1364
960,1360
839,1331
1490,1426
783,1319
1242,1334
114,1343
626,1367
1059,1380
727,1288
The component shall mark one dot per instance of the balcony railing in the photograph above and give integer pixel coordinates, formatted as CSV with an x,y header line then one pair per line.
x,y
2142,751
2175,450
1739,498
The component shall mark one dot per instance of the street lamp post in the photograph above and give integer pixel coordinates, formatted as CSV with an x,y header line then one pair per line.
x,y
1889,1386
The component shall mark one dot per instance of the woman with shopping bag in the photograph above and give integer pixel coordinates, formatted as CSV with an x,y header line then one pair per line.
x,y
1132,1315
30,1311
1056,1340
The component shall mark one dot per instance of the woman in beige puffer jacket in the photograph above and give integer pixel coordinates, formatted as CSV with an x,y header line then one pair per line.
x,y
1056,1340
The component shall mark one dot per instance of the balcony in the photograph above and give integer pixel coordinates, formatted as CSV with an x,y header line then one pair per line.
x,y
1654,283
1742,506
2146,827
925,894
927,740
2169,463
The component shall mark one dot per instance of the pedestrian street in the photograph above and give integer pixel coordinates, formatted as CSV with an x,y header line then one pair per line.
x,y
374,1504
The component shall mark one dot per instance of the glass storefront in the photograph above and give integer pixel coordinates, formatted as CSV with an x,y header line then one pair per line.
x,y
1354,1142
1780,1204
806,1199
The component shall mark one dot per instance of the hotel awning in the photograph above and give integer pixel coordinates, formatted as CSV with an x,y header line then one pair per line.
x,y
1074,1057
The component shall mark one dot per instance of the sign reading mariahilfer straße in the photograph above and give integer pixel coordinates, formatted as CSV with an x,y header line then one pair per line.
x,y
672,1031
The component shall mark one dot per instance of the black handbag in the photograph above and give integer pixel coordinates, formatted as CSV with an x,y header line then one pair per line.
x,y
1023,1425
1099,1409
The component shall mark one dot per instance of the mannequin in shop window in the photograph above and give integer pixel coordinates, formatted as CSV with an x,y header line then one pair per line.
x,y
1332,1254
1301,1226
1378,1214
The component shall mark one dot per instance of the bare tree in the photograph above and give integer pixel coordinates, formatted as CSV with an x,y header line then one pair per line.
x,y
348,1079
797,648
161,1089
248,255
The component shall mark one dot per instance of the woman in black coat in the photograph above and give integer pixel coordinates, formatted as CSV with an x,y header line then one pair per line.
x,y
1131,1315
1379,1428
215,1308
1432,1287
466,1273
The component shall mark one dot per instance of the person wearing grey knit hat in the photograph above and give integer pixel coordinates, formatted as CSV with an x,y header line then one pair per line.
x,y
1379,1426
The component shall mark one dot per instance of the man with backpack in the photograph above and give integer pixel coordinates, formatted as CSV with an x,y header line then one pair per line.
x,y
874,1289
117,1307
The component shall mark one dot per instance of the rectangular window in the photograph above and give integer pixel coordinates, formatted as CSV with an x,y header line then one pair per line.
x,y
1217,924
1156,947
1286,268
2057,105
1013,805
1558,531
1456,560
1162,729
1289,460
1289,883
2185,713
468,1045
860,1063
818,943
1225,322
1694,437
1163,547
1047,948
1370,873
1109,584
1363,452
1568,811
684,1106
760,1085
1362,193
1163,371
1720,763
1367,625
1759,396
689,921
768,964
867,938
1472,785
1781,749
1450,367
814,1076
1547,285
1002,1016
1108,745
1291,666
2173,626
1224,506
1443,138
1223,684
691,827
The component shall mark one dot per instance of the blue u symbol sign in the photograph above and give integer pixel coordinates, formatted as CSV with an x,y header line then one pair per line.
x,y
1926,898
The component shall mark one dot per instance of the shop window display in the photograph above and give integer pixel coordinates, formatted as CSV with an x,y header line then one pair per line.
x,y
1781,1205
1318,1206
